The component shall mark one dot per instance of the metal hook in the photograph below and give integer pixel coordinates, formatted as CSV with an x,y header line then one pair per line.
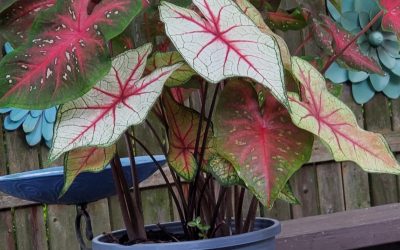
x,y
81,212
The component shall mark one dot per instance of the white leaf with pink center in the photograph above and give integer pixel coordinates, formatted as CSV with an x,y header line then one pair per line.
x,y
120,100
225,43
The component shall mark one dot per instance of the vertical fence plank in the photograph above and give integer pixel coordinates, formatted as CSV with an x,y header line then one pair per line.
x,y
330,189
355,180
30,226
6,224
377,118
156,204
304,185
60,218
396,127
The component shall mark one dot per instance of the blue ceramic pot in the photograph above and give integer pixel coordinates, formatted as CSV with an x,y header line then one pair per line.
x,y
262,237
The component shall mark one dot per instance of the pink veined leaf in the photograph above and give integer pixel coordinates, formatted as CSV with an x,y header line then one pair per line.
x,y
334,123
352,56
225,43
282,20
257,18
17,20
391,18
85,160
263,145
66,53
120,100
182,123
223,171
180,76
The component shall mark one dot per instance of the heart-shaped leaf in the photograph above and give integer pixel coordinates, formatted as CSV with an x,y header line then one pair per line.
x,y
261,142
225,43
120,100
326,116
256,17
17,20
183,123
223,171
391,18
180,76
295,20
336,38
85,160
66,53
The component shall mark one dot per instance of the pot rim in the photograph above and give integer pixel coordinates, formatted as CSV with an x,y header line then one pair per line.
x,y
269,228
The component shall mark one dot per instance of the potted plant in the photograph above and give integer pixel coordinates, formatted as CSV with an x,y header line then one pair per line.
x,y
258,112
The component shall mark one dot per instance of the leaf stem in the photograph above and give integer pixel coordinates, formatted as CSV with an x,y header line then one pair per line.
x,y
365,29
303,44
169,185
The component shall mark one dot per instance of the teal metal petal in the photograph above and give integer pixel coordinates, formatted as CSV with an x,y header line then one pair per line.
x,y
18,114
47,130
379,82
5,110
349,21
392,90
373,54
347,5
36,113
357,76
386,59
12,125
30,123
372,13
335,14
362,92
392,48
336,74
389,36
364,5
364,47
8,48
396,69
364,18
49,143
35,136
50,114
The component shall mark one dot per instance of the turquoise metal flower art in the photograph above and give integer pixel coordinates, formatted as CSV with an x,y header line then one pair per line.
x,y
36,124
380,45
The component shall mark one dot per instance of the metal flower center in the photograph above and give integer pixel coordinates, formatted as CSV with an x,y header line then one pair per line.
x,y
375,38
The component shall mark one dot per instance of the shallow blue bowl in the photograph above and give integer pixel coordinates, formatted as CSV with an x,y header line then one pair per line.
x,y
44,185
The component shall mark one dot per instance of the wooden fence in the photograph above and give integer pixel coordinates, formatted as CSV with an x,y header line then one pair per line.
x,y
322,186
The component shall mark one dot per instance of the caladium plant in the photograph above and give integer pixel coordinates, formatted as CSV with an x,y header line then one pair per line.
x,y
252,133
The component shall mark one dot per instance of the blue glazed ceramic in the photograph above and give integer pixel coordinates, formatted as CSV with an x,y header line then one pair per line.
x,y
44,185
263,237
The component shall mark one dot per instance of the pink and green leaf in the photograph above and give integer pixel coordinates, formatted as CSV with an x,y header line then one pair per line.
x,y
263,145
17,20
180,76
66,53
287,195
257,18
85,160
120,100
223,171
324,115
391,17
183,123
225,43
352,56
295,20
